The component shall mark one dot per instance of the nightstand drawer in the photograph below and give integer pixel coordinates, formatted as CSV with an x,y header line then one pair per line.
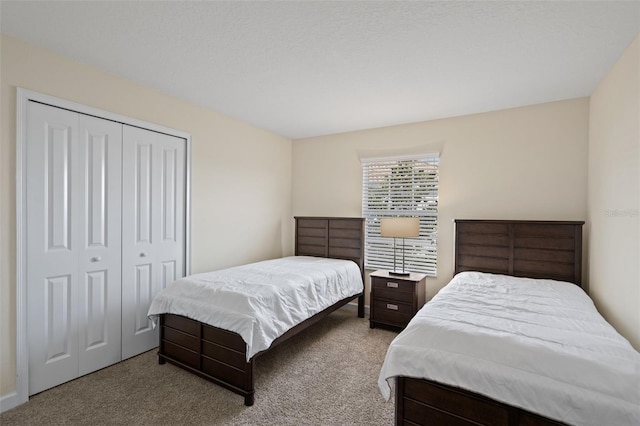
x,y
392,312
393,289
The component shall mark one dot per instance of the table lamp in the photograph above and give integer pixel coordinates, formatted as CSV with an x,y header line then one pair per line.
x,y
399,227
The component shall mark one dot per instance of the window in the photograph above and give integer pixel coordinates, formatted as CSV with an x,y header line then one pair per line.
x,y
397,187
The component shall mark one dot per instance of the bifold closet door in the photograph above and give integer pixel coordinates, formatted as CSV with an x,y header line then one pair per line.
x,y
73,244
153,232
101,246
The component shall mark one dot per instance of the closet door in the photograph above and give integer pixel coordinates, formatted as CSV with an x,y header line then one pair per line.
x,y
153,240
99,295
52,246
73,244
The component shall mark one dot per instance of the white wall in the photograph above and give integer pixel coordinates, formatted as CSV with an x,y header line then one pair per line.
x,y
241,175
523,163
614,195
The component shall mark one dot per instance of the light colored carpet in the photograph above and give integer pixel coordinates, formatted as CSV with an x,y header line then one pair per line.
x,y
327,375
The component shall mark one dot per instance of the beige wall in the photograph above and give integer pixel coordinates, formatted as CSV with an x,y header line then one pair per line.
x,y
614,195
523,163
241,175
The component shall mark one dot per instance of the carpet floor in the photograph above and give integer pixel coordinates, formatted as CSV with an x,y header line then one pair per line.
x,y
327,375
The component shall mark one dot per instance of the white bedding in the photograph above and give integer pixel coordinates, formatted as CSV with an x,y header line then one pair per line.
x,y
261,301
536,344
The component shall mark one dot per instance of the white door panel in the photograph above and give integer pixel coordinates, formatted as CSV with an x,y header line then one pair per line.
x,y
152,229
73,244
138,251
171,247
169,272
52,265
57,318
96,310
100,151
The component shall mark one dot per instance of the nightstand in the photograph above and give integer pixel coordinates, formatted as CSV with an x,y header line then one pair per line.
x,y
395,299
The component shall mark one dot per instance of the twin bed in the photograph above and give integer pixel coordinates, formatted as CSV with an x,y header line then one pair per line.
x,y
492,348
489,349
217,324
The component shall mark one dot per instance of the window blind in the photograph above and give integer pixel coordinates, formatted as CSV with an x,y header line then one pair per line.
x,y
401,187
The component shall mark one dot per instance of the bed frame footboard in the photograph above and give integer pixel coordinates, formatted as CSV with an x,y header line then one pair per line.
x,y
209,352
420,402
219,355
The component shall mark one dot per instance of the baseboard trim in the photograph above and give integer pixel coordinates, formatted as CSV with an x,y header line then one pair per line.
x,y
9,401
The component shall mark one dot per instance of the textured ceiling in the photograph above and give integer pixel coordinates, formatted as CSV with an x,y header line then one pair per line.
x,y
308,68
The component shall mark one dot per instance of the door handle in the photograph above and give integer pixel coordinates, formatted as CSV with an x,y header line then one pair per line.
x,y
96,259
143,254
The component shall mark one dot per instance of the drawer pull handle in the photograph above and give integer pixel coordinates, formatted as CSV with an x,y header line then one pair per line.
x,y
392,285
392,307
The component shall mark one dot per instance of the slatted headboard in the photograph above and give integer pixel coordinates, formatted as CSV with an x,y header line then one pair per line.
x,y
334,237
535,249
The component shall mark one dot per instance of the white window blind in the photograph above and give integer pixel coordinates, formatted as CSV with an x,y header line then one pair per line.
x,y
401,187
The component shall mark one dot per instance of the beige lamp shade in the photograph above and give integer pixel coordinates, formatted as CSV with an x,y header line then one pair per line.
x,y
400,227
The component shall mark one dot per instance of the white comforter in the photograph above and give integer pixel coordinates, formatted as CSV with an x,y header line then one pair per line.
x,y
261,301
536,344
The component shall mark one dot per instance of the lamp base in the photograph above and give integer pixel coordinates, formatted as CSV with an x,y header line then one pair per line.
x,y
400,273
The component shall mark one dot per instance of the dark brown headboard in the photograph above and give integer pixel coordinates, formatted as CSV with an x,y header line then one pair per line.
x,y
334,237
522,248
